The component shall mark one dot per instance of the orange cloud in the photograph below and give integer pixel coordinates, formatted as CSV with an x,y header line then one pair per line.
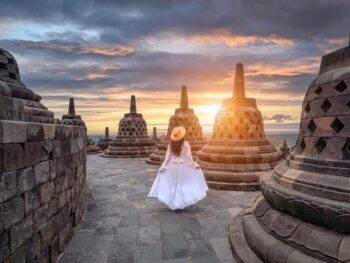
x,y
116,51
286,68
227,38
337,41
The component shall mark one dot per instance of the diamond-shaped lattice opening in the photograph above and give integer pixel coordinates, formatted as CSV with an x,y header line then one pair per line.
x,y
326,105
251,135
240,136
337,125
311,126
307,108
320,145
236,128
341,86
319,90
241,120
230,136
346,150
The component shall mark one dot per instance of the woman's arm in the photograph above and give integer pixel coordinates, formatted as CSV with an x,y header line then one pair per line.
x,y
188,156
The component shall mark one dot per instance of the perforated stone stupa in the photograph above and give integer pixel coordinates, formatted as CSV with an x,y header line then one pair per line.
x,y
184,116
304,213
71,118
75,120
132,139
238,152
103,143
18,103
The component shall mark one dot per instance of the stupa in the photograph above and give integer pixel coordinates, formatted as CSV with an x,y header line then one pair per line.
x,y
75,120
71,118
103,143
132,139
304,213
184,116
18,103
91,147
154,135
238,152
284,148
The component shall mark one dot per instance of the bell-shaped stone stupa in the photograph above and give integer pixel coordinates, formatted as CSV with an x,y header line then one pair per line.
x,y
132,139
184,116
71,118
304,213
103,143
238,152
75,120
18,103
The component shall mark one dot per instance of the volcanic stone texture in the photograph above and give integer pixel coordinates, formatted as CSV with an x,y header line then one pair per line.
x,y
17,102
184,116
238,153
304,214
42,189
132,139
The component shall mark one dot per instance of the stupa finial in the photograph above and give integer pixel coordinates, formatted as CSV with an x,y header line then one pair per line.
x,y
238,88
133,104
154,136
71,109
184,98
106,133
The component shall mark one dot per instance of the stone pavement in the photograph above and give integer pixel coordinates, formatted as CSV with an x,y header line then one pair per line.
x,y
123,225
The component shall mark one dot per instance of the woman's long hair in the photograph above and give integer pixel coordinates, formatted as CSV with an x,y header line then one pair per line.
x,y
176,146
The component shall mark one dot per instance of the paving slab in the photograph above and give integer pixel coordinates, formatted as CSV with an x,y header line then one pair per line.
x,y
122,225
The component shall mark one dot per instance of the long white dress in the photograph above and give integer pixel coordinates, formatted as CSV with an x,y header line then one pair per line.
x,y
180,181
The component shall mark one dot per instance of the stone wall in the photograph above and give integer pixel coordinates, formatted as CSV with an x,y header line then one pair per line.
x,y
42,189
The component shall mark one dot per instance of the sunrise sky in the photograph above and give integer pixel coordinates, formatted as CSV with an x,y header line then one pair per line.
x,y
101,52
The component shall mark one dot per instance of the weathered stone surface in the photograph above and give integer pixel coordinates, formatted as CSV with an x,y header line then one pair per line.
x,y
47,233
25,180
28,167
21,232
238,152
8,185
35,132
32,153
184,116
125,226
13,211
33,247
13,132
42,173
306,198
31,200
47,191
4,246
132,139
13,157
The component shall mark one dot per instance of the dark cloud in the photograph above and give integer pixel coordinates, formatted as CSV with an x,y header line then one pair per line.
x,y
126,20
280,118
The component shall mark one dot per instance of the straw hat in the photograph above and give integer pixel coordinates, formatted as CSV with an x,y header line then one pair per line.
x,y
178,133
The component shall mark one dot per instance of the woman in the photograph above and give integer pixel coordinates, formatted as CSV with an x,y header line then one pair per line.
x,y
180,181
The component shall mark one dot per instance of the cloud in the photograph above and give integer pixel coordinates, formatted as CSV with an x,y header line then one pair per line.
x,y
223,36
280,118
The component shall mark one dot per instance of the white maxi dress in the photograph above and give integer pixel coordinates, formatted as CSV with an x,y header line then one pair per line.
x,y
180,181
